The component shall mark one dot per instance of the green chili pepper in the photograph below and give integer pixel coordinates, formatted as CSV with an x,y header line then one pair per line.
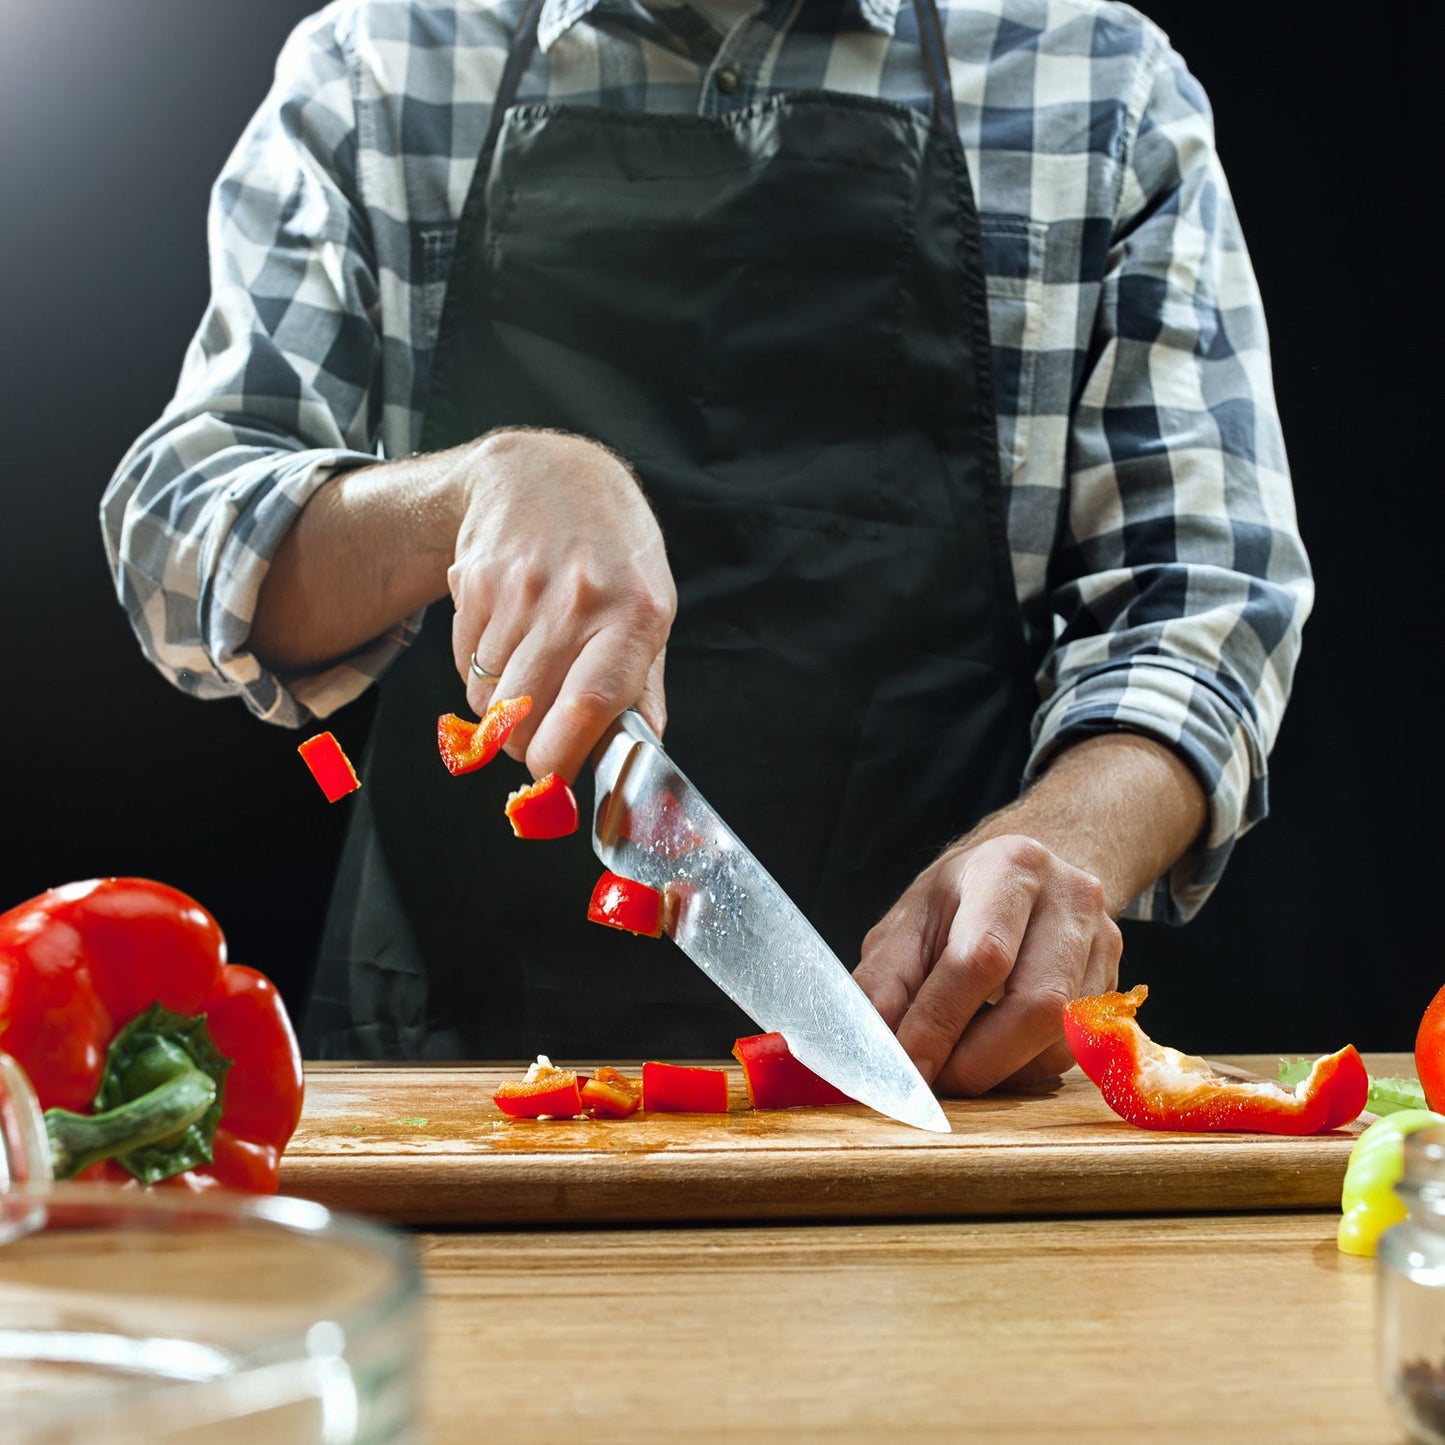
x,y
1368,1202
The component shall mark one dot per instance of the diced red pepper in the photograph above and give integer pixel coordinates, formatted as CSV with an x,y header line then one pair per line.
x,y
544,809
1159,1088
466,746
776,1080
683,1089
625,903
544,1091
611,1094
329,766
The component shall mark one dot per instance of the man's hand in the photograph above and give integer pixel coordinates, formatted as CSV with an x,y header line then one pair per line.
x,y
561,584
1003,920
1020,914
553,559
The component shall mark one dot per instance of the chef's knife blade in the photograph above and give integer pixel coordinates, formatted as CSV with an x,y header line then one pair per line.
x,y
728,914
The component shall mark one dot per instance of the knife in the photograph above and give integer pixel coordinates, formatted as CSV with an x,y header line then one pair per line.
x,y
728,914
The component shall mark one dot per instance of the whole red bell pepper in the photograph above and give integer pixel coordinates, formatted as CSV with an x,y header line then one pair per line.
x,y
544,809
545,1091
1160,1088
777,1080
466,746
683,1089
144,1046
625,903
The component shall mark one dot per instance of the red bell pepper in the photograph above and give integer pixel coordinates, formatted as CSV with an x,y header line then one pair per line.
x,y
1160,1088
466,746
610,1094
544,809
776,1080
1430,1052
329,766
545,1091
683,1089
625,903
143,1045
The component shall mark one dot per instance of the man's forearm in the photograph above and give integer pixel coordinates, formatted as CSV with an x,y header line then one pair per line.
x,y
1120,806
370,548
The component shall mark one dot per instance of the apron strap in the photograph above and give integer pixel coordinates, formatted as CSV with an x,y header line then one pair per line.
x,y
935,56
519,56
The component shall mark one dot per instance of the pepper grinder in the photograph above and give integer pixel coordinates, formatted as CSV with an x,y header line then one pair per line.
x,y
1411,1292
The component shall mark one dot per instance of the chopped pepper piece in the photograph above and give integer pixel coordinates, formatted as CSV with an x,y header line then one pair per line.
x,y
151,1055
544,809
329,766
610,1094
625,903
466,746
1160,1088
1368,1202
683,1089
776,1080
544,1091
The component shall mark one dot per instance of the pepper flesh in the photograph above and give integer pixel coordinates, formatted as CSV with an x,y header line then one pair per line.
x,y
545,1091
776,1080
683,1089
466,746
82,964
329,766
625,903
544,809
1159,1088
611,1094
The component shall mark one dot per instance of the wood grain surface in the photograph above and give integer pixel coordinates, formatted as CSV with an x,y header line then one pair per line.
x,y
423,1146
1241,1330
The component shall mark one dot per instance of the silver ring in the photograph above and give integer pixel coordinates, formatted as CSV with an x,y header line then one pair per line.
x,y
480,672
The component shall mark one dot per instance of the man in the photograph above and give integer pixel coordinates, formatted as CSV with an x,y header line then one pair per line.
x,y
878,397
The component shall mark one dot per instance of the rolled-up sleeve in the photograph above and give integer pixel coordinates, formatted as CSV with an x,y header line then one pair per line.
x,y
1181,584
278,391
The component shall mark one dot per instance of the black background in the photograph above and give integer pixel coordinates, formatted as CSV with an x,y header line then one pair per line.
x,y
115,116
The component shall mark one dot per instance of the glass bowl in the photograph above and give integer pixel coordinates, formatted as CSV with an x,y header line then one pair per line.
x,y
162,1315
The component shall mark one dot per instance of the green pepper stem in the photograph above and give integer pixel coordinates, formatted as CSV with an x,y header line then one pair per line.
x,y
79,1140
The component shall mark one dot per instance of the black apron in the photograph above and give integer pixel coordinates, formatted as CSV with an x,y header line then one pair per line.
x,y
778,317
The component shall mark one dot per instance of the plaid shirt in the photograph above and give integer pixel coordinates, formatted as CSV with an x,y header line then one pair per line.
x,y
1151,519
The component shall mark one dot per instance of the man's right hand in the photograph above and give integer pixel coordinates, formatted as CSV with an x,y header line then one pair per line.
x,y
561,585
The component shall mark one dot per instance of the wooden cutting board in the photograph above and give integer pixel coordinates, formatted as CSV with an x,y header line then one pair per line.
x,y
426,1146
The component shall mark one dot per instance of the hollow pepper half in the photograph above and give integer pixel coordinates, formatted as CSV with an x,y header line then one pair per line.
x,y
1368,1202
145,1047
1160,1088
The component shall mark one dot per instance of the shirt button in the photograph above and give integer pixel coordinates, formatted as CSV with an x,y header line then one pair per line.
x,y
727,80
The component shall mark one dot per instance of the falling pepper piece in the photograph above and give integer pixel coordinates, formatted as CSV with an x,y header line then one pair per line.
x,y
466,746
776,1080
329,766
1159,1088
625,903
544,809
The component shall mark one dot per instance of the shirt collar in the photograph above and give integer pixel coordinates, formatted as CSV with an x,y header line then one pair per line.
x,y
559,16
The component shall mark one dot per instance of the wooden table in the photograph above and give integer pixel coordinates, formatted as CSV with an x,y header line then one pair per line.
x,y
1135,1311
1238,1329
